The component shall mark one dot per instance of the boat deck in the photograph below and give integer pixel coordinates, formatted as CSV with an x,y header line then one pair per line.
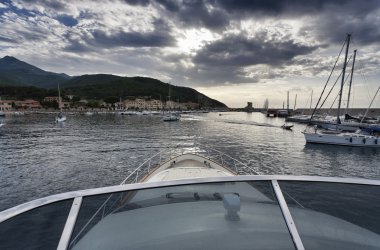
x,y
188,169
220,211
233,212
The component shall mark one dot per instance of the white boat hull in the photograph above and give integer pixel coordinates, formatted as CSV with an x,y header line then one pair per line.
x,y
60,119
171,118
345,139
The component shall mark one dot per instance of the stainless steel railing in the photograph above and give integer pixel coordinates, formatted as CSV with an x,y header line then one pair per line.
x,y
209,153
156,160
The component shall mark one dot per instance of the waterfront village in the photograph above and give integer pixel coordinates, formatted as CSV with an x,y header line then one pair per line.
x,y
75,104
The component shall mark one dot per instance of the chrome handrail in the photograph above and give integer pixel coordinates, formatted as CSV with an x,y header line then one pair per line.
x,y
11,212
166,155
146,166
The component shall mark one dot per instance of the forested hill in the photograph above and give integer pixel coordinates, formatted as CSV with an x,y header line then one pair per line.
x,y
20,80
102,86
18,73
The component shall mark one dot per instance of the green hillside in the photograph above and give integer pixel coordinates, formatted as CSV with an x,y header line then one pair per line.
x,y
102,86
20,80
15,72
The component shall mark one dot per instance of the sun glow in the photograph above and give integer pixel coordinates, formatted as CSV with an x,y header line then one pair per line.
x,y
194,39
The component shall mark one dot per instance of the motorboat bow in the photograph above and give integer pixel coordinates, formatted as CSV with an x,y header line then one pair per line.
x,y
201,200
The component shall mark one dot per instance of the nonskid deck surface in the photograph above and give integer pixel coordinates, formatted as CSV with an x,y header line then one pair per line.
x,y
187,169
187,166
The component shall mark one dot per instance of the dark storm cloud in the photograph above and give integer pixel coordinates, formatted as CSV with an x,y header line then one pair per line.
x,y
294,7
239,51
132,39
138,2
195,13
333,28
67,20
34,34
214,14
77,47
7,40
159,37
50,4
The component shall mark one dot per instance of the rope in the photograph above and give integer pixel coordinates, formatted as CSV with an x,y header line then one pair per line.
x,y
345,81
333,86
328,79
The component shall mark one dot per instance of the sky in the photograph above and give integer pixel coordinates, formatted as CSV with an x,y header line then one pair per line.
x,y
233,50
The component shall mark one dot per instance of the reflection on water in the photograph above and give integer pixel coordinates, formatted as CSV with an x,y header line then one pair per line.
x,y
39,157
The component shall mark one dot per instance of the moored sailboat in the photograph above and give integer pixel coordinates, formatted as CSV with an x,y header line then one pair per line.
x,y
170,117
334,135
60,117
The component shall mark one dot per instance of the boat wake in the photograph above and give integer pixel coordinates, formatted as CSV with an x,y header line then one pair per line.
x,y
249,123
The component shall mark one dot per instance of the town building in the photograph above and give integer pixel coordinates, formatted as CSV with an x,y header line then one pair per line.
x,y
9,105
153,104
5,105
172,105
51,99
28,104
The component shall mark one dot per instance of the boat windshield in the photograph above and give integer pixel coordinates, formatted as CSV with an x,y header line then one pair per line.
x,y
233,214
230,215
334,215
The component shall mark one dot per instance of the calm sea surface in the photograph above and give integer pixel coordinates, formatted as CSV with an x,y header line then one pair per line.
x,y
39,158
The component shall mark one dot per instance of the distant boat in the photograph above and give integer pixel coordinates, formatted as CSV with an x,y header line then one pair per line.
x,y
1,124
2,113
282,113
170,117
127,112
89,113
60,117
288,127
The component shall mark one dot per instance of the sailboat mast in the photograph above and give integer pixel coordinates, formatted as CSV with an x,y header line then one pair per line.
x,y
295,103
59,99
349,90
342,83
287,104
311,99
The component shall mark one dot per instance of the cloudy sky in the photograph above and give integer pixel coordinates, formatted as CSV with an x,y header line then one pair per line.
x,y
232,50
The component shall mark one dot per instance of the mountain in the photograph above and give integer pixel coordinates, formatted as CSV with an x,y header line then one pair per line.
x,y
18,78
15,72
101,86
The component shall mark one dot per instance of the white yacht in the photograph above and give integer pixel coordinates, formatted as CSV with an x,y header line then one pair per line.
x,y
358,139
199,200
